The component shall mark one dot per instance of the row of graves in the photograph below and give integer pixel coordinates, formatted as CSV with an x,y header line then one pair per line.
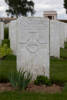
x,y
33,40
1,32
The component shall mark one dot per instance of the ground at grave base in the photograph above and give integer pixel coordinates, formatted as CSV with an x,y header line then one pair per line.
x,y
33,88
58,72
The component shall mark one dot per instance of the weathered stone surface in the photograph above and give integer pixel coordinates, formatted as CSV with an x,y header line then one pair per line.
x,y
54,39
33,45
12,36
65,32
61,28
1,32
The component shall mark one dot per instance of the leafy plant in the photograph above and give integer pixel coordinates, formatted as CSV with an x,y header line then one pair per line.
x,y
41,80
20,79
6,41
4,51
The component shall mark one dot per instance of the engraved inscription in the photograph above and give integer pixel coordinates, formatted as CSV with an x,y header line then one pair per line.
x,y
32,46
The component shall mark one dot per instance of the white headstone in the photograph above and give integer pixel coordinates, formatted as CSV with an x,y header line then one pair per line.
x,y
62,34
12,36
1,32
65,32
54,39
33,46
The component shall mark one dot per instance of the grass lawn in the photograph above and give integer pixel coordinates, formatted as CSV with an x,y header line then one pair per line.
x,y
6,67
58,67
58,73
58,70
31,96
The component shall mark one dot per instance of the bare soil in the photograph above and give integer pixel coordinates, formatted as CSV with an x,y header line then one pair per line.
x,y
33,88
43,88
6,87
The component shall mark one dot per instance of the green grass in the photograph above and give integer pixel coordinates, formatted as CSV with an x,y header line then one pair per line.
x,y
63,53
58,67
31,96
58,70
6,67
65,45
